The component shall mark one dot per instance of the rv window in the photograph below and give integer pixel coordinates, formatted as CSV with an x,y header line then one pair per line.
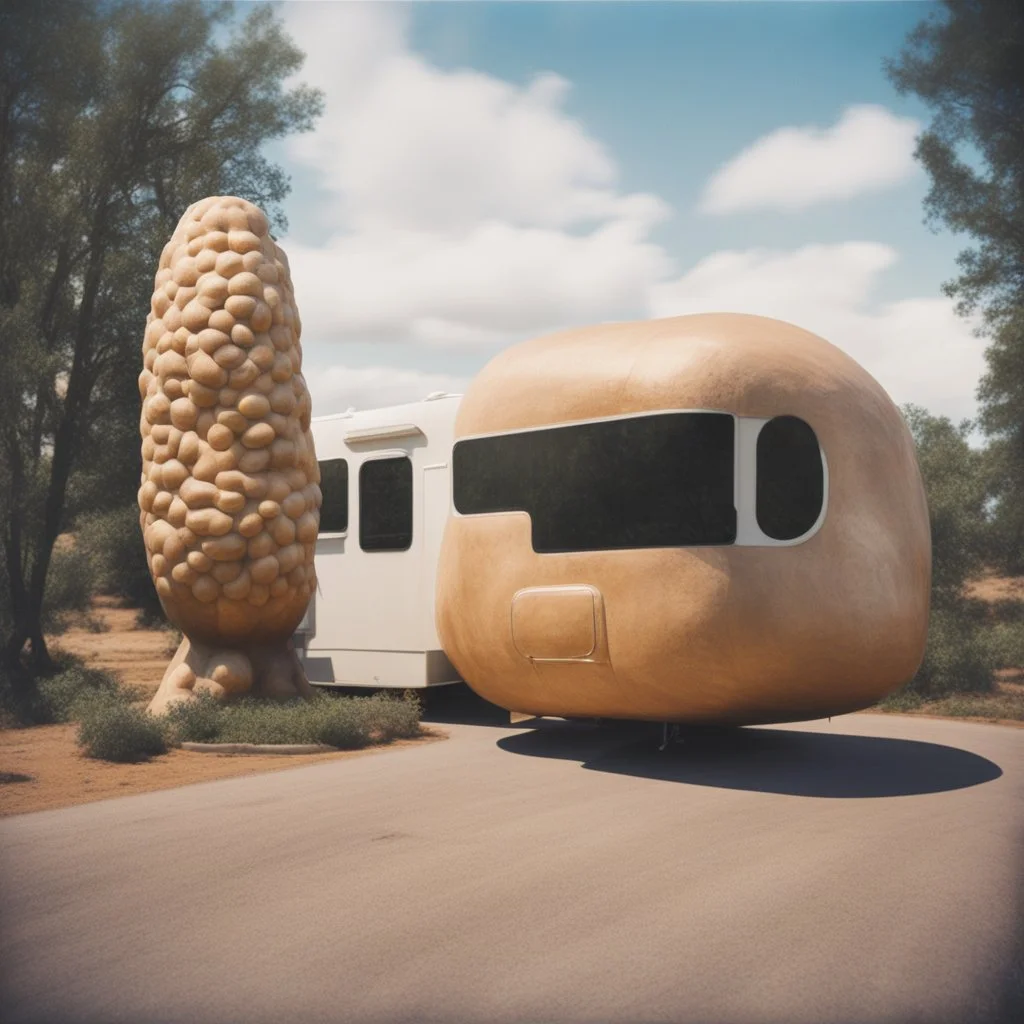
x,y
790,478
385,504
334,487
661,480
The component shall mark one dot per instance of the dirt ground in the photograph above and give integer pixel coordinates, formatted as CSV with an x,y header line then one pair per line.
x,y
42,768
997,588
138,656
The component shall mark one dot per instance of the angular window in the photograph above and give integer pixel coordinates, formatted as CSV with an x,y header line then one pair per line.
x,y
385,504
790,478
660,480
334,487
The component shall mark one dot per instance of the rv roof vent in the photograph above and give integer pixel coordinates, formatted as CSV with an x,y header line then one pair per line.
x,y
435,395
383,433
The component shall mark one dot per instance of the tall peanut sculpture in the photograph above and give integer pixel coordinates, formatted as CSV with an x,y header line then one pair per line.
x,y
230,496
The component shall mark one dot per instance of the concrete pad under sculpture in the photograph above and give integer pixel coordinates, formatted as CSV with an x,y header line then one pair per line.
x,y
230,497
729,633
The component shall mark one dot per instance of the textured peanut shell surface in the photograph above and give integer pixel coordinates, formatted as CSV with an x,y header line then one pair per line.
x,y
230,496
729,634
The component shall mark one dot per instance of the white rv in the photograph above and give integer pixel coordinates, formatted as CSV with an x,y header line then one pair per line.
x,y
386,482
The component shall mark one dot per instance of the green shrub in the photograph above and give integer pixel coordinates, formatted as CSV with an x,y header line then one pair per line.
x,y
902,700
397,718
347,723
958,658
65,693
195,721
112,730
69,586
17,711
56,698
252,720
1006,644
112,543
344,723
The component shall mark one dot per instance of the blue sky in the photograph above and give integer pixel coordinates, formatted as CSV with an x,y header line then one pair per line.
x,y
486,172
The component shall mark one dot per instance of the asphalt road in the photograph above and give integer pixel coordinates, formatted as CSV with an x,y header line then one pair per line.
x,y
865,870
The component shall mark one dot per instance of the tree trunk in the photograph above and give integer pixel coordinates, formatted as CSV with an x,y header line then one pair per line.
x,y
29,616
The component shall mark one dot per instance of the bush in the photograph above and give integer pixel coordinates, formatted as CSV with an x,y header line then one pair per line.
x,y
112,543
64,694
112,730
342,723
347,723
195,721
958,657
1006,644
56,698
954,481
397,718
69,585
17,712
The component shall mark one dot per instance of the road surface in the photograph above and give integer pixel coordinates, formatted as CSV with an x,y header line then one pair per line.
x,y
864,870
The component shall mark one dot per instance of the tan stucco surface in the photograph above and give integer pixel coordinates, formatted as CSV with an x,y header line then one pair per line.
x,y
230,497
729,634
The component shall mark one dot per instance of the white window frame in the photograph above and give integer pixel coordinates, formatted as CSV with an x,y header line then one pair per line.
x,y
746,430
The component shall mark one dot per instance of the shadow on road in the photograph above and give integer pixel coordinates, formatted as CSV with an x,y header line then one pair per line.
x,y
794,763
459,705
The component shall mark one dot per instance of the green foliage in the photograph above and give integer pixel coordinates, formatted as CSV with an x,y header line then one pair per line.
x,y
959,655
68,587
1009,706
59,697
953,474
114,118
344,722
337,723
112,730
968,66
68,692
195,721
111,540
1001,394
1006,644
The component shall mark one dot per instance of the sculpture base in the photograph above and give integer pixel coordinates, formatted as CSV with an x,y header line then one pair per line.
x,y
273,672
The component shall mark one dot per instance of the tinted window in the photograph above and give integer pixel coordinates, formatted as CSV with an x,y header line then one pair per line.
x,y
385,504
790,478
334,487
664,480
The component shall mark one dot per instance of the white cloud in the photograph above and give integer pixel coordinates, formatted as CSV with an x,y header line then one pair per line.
x,y
373,387
464,209
918,349
867,149
493,284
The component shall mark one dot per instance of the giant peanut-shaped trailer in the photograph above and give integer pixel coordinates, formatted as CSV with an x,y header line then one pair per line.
x,y
714,518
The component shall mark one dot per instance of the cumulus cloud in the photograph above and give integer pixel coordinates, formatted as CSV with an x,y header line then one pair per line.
x,y
467,211
464,210
867,149
372,387
917,348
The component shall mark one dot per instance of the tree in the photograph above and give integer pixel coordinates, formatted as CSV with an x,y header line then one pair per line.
x,y
114,117
968,65
955,486
956,657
